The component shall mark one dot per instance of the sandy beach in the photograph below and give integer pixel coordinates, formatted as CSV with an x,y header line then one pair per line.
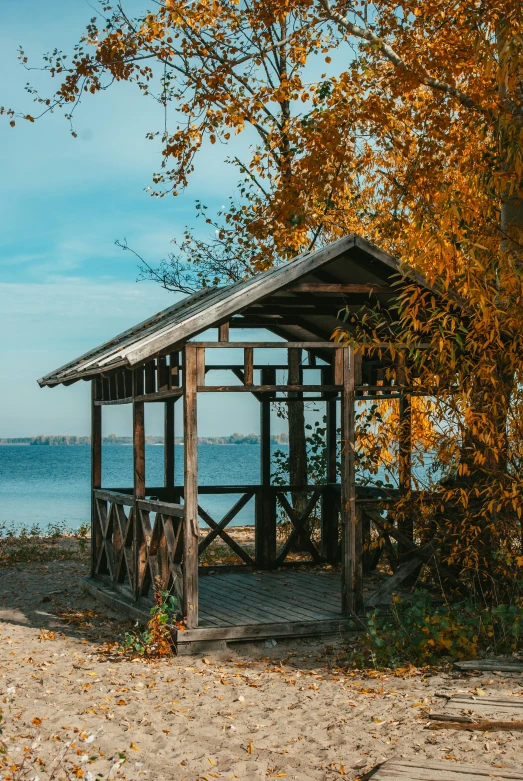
x,y
293,710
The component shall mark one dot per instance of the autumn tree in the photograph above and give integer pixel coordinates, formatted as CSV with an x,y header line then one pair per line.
x,y
399,120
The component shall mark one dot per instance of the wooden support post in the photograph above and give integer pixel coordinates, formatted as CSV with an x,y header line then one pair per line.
x,y
190,528
168,445
329,509
223,332
200,366
351,554
96,470
139,492
174,363
406,523
265,520
338,366
297,440
163,375
248,372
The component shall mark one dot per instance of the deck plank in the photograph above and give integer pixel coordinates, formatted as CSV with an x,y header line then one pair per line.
x,y
266,609
290,585
266,605
240,598
299,602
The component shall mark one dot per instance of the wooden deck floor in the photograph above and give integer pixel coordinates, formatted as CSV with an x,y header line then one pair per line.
x,y
239,606
246,598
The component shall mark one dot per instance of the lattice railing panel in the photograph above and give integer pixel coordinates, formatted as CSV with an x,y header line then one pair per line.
x,y
113,537
160,544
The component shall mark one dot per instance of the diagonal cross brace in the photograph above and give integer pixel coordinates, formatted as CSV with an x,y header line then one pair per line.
x,y
227,518
299,524
218,528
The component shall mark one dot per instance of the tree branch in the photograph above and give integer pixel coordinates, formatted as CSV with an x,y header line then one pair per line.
x,y
367,35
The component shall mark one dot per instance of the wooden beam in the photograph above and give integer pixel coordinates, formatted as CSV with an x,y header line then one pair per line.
x,y
190,528
174,363
248,372
338,368
322,287
223,332
297,441
139,492
351,557
269,389
173,393
168,444
271,345
265,518
329,502
96,469
200,366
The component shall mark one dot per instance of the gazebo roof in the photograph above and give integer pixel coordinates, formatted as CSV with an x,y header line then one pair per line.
x,y
350,261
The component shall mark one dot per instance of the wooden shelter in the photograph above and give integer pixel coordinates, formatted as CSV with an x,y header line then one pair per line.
x,y
142,535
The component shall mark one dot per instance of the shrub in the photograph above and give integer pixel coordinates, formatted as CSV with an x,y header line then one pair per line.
x,y
422,632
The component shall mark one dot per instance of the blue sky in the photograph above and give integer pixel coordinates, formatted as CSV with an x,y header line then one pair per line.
x,y
64,286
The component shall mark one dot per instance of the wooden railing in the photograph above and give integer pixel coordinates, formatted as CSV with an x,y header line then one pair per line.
x,y
137,544
160,547
113,537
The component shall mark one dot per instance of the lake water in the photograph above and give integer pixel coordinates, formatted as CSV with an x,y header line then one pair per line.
x,y
47,484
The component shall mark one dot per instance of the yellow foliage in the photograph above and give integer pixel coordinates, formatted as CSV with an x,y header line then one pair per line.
x,y
412,136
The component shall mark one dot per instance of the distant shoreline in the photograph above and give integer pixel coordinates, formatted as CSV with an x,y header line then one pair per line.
x,y
54,440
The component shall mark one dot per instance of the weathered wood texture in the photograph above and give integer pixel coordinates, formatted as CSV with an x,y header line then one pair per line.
x,y
238,599
487,712
351,556
265,519
157,526
482,725
449,770
330,503
96,471
168,444
190,537
139,491
491,665
211,307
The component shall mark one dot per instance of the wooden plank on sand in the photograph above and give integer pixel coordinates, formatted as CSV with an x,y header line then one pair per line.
x,y
490,665
420,770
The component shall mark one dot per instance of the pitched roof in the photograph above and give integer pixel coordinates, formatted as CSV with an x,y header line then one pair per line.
x,y
349,260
